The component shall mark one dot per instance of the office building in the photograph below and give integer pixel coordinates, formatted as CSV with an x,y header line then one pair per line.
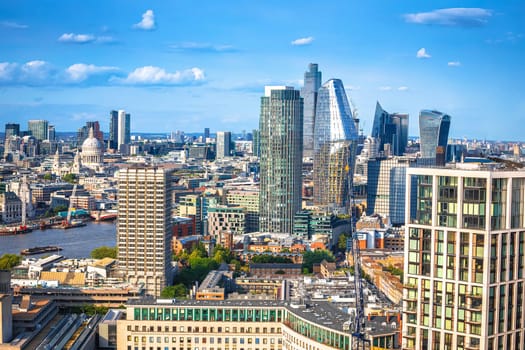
x,y
83,132
144,227
124,129
386,187
38,129
224,140
335,146
51,133
11,129
312,83
113,130
256,144
433,132
464,270
281,140
206,134
390,129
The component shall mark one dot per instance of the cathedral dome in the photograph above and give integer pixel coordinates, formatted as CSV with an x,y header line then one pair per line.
x,y
92,150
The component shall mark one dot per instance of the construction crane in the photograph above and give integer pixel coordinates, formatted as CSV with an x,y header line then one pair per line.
x,y
67,223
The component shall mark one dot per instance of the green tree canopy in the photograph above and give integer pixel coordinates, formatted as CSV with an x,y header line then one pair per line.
x,y
177,291
104,252
48,176
315,257
270,259
8,261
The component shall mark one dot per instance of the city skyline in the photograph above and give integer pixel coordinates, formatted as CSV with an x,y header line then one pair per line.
x,y
174,68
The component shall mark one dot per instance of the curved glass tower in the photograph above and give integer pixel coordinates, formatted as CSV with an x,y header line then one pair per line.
x,y
335,144
433,132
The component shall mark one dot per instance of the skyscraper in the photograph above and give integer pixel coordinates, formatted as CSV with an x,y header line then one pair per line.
x,y
464,269
335,144
206,134
113,130
312,83
38,129
51,133
390,129
124,129
433,132
12,129
144,226
83,132
224,139
281,142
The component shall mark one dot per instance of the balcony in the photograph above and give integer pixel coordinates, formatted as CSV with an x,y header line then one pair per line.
x,y
409,286
410,298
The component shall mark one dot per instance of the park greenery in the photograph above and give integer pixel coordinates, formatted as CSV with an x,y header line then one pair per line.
x,y
8,261
71,178
311,258
104,252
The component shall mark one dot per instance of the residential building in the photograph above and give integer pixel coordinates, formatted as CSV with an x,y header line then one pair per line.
x,y
281,141
249,200
38,129
390,129
224,140
312,83
223,218
144,230
464,269
433,132
335,144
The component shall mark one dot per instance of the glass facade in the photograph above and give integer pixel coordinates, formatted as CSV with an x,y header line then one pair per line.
x,y
433,132
281,141
113,130
312,83
391,129
335,144
38,129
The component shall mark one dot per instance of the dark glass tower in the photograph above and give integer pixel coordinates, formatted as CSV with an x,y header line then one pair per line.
x,y
390,129
281,142
12,129
433,132
113,130
312,83
335,144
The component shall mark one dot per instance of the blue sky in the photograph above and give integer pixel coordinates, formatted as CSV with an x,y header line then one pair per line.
x,y
186,65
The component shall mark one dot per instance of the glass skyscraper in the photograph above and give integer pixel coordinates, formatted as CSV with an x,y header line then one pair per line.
x,y
281,146
124,129
38,129
335,143
433,132
12,129
312,83
113,130
390,129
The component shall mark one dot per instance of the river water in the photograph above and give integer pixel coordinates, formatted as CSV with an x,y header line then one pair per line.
x,y
75,242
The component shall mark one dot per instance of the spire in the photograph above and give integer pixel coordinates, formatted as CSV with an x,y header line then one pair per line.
x,y
90,133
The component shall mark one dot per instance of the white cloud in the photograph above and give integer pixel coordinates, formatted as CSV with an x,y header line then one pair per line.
x,y
34,72
13,25
76,38
202,47
303,41
385,88
459,17
80,71
454,64
148,21
422,53
402,88
7,71
151,75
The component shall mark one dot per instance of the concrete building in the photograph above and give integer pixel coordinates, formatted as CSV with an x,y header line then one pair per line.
x,y
10,208
144,226
281,140
465,257
249,200
222,218
124,130
224,140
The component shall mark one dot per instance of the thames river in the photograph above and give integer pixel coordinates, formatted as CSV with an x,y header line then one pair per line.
x,y
75,242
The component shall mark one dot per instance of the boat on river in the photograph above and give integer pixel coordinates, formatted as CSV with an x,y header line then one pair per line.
x,y
14,230
40,250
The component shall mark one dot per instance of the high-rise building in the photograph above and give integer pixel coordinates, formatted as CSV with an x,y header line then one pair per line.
x,y
256,143
124,129
281,142
386,187
12,129
433,132
113,130
390,129
38,129
464,269
335,144
51,133
224,140
206,134
312,83
144,226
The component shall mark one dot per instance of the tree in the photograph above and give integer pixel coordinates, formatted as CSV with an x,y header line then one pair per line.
x,y
71,178
48,176
104,252
8,261
177,291
341,243
270,259
315,257
222,255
